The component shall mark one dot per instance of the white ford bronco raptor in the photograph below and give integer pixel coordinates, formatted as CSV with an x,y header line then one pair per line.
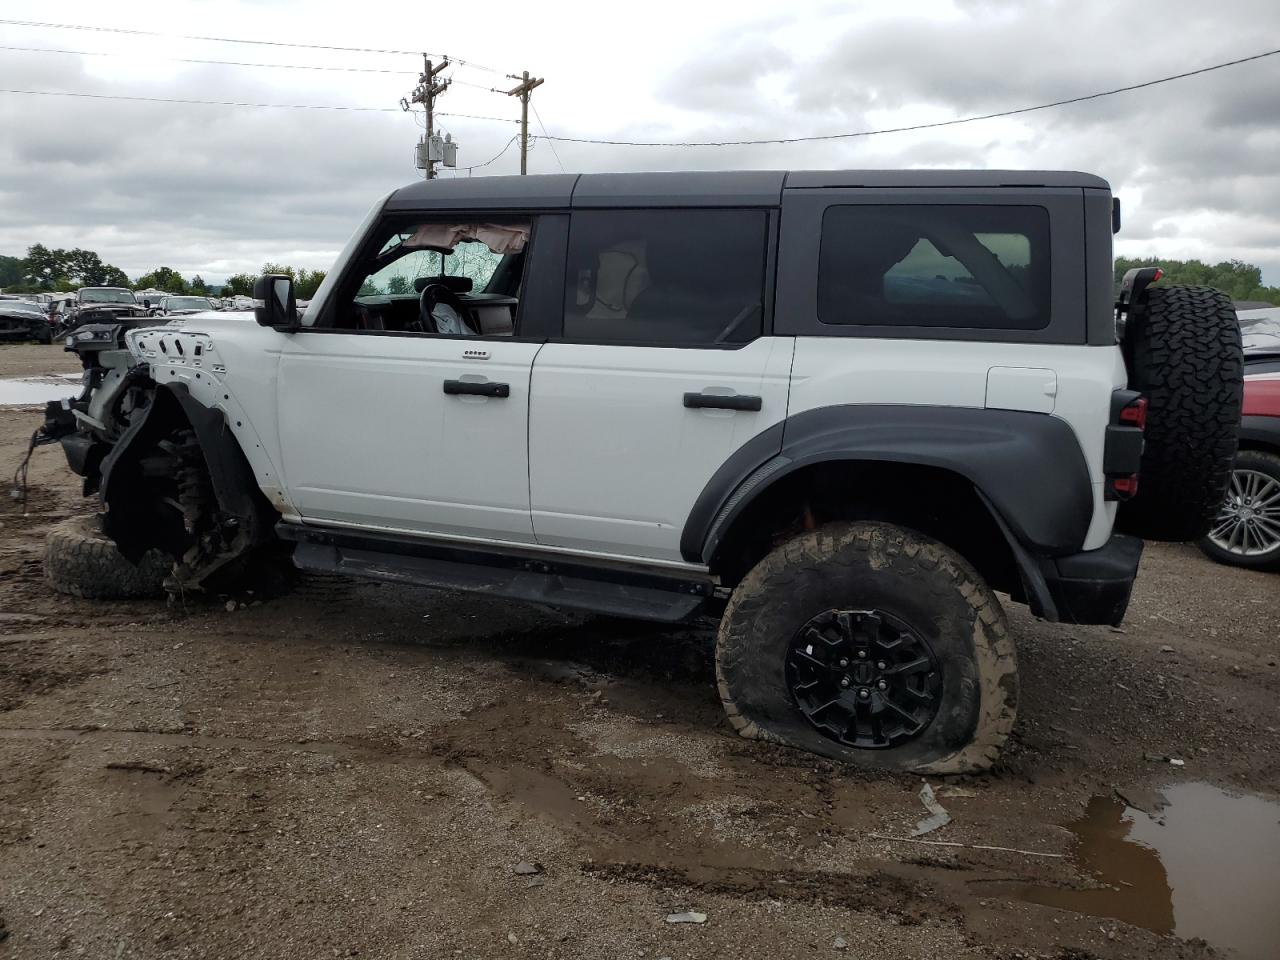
x,y
839,409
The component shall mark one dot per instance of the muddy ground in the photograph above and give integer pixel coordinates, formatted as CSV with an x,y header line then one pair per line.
x,y
353,769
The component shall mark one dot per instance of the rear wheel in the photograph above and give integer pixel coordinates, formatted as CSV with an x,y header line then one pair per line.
x,y
1182,348
1246,532
872,645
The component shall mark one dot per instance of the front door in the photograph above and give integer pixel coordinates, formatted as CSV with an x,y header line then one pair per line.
x,y
406,407
662,371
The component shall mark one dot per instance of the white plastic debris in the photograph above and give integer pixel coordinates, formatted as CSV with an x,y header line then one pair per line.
x,y
689,916
938,816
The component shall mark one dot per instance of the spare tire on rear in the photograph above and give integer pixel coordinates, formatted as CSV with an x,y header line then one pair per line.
x,y
81,561
1182,347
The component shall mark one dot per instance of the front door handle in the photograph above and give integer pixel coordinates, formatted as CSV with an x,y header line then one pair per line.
x,y
477,388
720,401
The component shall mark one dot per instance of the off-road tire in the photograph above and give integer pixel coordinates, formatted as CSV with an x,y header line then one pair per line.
x,y
1182,347
855,566
80,561
1258,461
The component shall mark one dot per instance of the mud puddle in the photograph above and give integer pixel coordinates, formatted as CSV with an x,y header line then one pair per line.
x,y
36,391
1203,862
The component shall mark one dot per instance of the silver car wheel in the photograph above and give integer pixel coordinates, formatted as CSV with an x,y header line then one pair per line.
x,y
1248,524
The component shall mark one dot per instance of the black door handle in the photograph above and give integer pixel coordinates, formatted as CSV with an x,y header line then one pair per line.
x,y
477,388
719,401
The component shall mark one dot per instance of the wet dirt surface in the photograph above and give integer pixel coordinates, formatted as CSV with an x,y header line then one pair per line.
x,y
1203,862
355,770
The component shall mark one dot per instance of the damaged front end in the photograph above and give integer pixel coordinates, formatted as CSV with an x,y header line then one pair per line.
x,y
167,470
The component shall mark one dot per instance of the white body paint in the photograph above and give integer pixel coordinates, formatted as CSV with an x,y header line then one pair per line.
x,y
593,452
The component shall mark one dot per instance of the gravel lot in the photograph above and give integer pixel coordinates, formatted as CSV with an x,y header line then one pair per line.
x,y
354,769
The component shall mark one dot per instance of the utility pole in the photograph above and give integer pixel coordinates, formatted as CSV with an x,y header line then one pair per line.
x,y
425,93
523,91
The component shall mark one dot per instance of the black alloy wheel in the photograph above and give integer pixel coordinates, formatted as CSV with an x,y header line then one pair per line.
x,y
864,678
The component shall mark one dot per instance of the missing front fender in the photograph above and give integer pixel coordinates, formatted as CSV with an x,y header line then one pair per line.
x,y
177,481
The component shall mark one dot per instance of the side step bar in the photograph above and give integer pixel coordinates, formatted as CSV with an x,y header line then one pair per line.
x,y
617,590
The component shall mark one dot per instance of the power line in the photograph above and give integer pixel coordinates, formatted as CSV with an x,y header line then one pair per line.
x,y
261,43
238,103
659,143
495,157
551,143
918,126
226,63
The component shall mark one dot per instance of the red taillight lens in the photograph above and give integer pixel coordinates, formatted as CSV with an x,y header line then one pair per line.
x,y
1159,274
1125,487
1135,414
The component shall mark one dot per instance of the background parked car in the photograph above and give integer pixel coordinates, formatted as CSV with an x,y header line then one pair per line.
x,y
24,320
1247,532
102,305
184,306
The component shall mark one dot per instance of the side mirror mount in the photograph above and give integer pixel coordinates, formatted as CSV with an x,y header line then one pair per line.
x,y
274,303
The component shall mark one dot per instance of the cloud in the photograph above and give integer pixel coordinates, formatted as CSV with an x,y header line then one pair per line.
x,y
217,190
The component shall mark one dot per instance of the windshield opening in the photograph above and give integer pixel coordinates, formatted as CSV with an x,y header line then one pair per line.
x,y
104,295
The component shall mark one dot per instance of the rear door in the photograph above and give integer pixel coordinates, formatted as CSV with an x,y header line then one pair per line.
x,y
662,370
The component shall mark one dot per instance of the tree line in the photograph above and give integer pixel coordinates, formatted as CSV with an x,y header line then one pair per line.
x,y
45,270
1237,279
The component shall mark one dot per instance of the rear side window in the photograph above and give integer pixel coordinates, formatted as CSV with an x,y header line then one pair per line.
x,y
665,276
922,265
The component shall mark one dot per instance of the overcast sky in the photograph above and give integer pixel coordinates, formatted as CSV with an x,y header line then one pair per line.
x,y
217,190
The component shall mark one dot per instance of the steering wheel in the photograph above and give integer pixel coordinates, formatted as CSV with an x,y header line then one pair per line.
x,y
435,295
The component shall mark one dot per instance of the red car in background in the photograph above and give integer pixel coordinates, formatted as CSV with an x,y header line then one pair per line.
x,y
1247,531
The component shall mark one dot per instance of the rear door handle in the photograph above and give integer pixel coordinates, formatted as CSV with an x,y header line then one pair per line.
x,y
477,388
719,401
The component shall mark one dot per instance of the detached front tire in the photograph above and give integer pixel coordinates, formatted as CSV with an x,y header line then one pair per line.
x,y
872,645
81,561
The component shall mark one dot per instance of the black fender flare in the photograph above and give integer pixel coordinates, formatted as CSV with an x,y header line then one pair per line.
x,y
1027,468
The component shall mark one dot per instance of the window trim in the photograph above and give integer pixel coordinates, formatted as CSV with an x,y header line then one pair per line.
x,y
767,287
1043,300
353,272
799,241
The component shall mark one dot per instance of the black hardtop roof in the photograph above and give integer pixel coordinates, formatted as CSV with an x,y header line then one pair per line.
x,y
697,188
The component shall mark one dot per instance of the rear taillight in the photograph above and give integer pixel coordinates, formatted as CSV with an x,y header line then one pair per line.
x,y
1123,453
1134,414
1124,487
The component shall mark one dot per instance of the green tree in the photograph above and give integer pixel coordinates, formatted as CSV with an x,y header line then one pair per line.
x,y
1237,279
11,271
239,284
198,285
162,278
280,269
45,268
398,284
308,282
113,277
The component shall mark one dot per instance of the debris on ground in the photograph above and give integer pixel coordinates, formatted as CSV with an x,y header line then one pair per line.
x,y
938,816
840,944
527,869
689,916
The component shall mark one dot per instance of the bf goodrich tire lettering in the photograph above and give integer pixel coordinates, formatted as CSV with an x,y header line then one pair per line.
x,y
872,566
1182,345
81,561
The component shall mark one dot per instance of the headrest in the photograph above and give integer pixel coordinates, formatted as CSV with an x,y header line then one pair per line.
x,y
456,284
